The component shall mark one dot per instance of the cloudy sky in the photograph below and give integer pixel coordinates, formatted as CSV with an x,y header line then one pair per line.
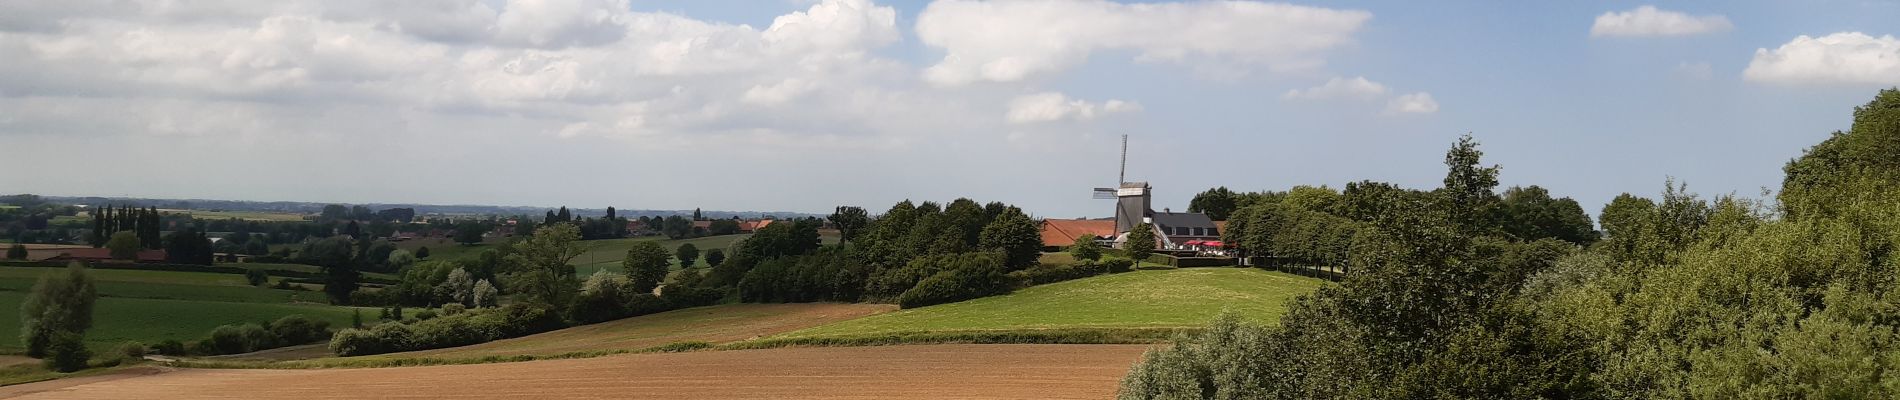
x,y
803,105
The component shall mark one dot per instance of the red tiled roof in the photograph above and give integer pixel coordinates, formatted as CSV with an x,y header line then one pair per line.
x,y
1062,232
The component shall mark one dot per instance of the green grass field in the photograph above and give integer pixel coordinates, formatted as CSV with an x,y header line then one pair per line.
x,y
607,254
1176,298
197,286
151,306
116,320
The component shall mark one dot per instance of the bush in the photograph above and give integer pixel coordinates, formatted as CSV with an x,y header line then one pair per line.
x,y
968,282
66,352
425,315
131,350
453,308
461,329
282,284
1119,265
235,339
1046,274
170,347
256,277
645,303
690,296
297,329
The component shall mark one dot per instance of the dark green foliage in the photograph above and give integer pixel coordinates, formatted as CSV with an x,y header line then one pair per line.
x,y
1045,274
235,339
422,253
188,246
1682,298
59,304
1016,236
297,329
256,277
715,257
688,254
1531,214
169,347
1218,203
1469,187
16,252
850,222
131,350
974,276
1085,248
1140,242
124,245
66,352
830,274
646,264
336,256
1118,265
469,233
474,326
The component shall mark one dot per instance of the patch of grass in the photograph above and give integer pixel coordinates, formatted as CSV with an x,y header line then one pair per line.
x,y
199,286
302,268
116,320
443,249
1183,298
606,254
1025,336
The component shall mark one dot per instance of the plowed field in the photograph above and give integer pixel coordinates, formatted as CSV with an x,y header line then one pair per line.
x,y
888,372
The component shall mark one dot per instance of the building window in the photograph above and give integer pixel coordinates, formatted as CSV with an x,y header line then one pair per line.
x,y
1199,232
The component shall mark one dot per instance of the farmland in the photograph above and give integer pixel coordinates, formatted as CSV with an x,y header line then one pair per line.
x,y
934,371
1140,299
151,306
152,320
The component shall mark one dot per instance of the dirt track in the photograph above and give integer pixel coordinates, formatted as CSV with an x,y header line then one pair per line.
x,y
888,372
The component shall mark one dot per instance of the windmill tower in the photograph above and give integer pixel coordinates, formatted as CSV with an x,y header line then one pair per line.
x,y
1132,199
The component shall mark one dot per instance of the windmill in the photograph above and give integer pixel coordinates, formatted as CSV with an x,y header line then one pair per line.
x,y
1131,198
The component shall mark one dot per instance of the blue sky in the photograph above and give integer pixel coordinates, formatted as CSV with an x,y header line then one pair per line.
x,y
673,104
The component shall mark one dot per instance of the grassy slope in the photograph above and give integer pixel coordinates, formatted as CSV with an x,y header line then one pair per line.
x,y
1141,299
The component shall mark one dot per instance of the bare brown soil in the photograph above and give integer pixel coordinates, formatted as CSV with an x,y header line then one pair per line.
x,y
887,372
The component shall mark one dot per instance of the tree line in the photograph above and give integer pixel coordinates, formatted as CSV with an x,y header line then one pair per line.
x,y
1682,296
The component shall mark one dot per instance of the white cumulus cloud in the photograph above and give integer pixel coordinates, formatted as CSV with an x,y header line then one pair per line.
x,y
1840,58
1415,103
1651,21
1052,106
1007,41
1340,88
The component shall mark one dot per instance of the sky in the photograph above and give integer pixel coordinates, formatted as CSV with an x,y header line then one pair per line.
x,y
806,105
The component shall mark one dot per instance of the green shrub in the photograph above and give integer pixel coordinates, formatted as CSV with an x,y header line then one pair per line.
x,y
968,282
425,315
66,352
1046,274
256,277
1118,265
466,328
235,339
297,329
645,303
131,350
170,347
683,297
453,308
